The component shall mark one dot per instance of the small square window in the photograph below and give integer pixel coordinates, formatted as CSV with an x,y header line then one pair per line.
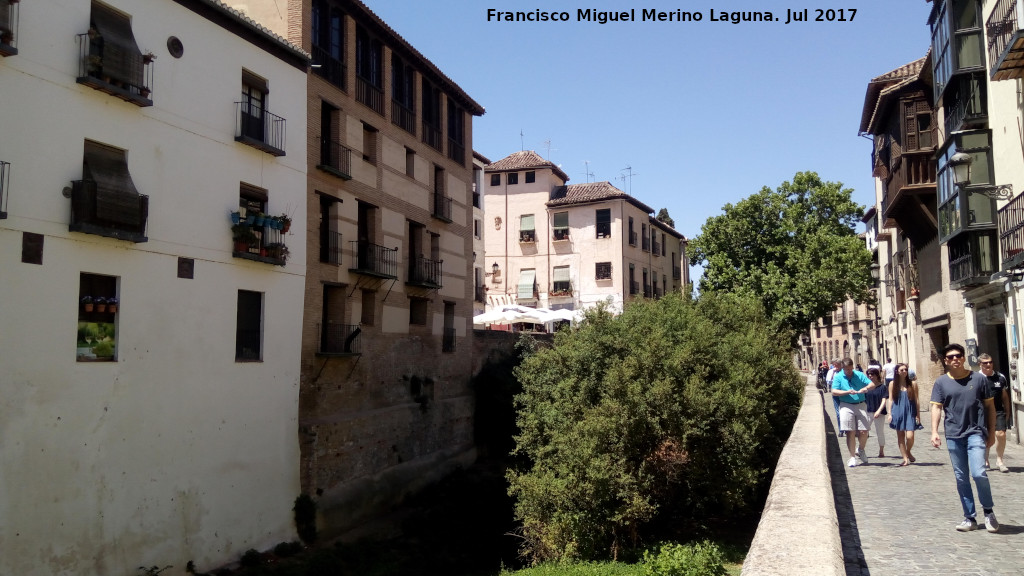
x,y
369,143
476,228
604,223
531,177
410,163
603,271
513,178
418,311
368,307
495,179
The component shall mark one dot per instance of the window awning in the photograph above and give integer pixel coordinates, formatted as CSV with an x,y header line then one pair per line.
x,y
526,222
527,278
561,274
122,59
117,200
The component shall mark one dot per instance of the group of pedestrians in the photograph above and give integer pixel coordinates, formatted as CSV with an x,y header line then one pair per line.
x,y
974,407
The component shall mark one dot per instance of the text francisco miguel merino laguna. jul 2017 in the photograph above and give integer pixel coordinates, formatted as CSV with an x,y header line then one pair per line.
x,y
652,15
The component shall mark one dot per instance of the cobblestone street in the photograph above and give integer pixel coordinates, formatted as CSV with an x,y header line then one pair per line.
x,y
899,521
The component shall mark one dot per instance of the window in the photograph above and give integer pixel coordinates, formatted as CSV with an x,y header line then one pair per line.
x,y
959,211
418,311
476,227
369,143
527,230
604,223
645,239
336,337
8,27
632,279
330,237
369,304
662,244
410,163
249,327
110,59
403,94
456,132
632,233
105,202
328,34
527,287
603,271
431,99
335,158
256,126
561,226
512,178
369,70
495,179
448,335
560,283
97,314
531,177
250,235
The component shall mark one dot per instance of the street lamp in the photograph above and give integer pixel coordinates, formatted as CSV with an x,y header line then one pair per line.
x,y
875,270
960,163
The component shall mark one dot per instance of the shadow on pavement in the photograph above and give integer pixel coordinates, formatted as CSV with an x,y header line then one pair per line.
x,y
849,536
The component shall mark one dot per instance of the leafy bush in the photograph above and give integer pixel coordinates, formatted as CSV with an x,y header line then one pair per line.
x,y
579,569
286,549
674,410
701,559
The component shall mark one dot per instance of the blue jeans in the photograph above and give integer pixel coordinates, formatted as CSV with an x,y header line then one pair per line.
x,y
968,457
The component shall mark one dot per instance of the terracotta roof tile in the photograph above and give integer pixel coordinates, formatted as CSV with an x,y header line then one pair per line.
x,y
592,192
881,86
525,160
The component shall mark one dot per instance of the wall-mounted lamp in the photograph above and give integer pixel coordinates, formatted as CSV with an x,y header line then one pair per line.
x,y
960,163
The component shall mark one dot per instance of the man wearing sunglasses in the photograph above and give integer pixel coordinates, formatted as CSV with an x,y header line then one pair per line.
x,y
965,398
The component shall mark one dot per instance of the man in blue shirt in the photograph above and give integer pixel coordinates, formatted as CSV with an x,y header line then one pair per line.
x,y
965,397
848,387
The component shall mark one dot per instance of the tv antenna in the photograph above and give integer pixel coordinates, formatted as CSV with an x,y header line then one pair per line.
x,y
628,178
588,173
521,145
547,146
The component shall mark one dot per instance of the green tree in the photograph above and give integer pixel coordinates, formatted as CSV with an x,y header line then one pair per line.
x,y
665,218
672,412
794,247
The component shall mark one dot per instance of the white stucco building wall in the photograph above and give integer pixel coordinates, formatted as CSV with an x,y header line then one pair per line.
x,y
174,450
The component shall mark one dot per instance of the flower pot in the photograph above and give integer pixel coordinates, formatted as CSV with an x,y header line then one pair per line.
x,y
259,220
263,252
112,308
236,217
250,219
285,226
241,247
101,307
88,307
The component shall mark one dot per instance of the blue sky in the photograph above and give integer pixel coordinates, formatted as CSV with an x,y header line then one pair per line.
x,y
705,113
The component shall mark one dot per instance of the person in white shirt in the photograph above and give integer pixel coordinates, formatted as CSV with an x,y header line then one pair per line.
x,y
890,370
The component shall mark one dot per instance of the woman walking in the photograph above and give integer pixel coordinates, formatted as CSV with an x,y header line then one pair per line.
x,y
904,417
876,399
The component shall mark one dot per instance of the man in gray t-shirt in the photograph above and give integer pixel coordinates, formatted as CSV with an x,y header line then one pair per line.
x,y
965,398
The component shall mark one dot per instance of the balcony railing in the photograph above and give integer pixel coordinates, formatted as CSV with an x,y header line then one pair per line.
x,y
129,77
967,267
560,234
913,169
448,340
370,95
645,244
258,128
655,248
374,260
247,345
632,238
647,290
1005,41
259,242
114,215
328,67
560,290
677,273
340,339
5,179
9,28
1011,233
456,151
425,272
403,117
335,158
840,316
527,236
634,287
330,247
431,135
442,207
965,113
480,294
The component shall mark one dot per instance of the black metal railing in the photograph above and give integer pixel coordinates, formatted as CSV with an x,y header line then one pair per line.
x,y
632,238
448,340
335,158
655,248
247,345
1001,28
403,117
129,78
328,67
259,242
431,135
5,179
370,95
375,260
634,287
560,234
425,272
9,28
110,214
966,110
677,273
527,235
480,294
645,244
339,338
1011,233
258,128
647,290
330,247
456,151
442,207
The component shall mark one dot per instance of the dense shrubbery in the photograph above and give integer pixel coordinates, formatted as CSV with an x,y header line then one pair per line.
x,y
700,559
677,409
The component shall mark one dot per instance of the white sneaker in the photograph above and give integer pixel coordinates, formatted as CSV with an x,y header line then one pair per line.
x,y
991,524
853,462
968,524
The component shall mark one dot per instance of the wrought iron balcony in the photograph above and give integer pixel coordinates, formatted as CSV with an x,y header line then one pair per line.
x,y
335,158
655,248
1005,40
424,272
256,127
126,76
442,207
259,242
374,260
114,215
456,151
526,236
370,95
634,287
403,117
339,340
431,135
330,247
677,272
8,27
448,340
329,68
1011,233
560,234
647,290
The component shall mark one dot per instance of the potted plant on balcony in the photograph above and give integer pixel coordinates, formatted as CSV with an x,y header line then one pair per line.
x,y
112,305
286,223
101,303
236,217
277,251
243,236
87,303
